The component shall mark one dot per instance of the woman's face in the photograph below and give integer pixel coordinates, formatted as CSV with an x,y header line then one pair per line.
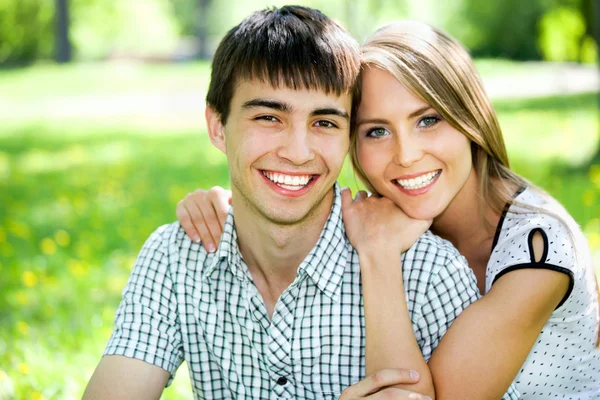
x,y
406,150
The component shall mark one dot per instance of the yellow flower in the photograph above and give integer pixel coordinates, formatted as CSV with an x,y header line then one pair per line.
x,y
19,229
24,368
21,298
595,175
36,396
594,240
48,246
76,268
29,279
22,327
62,238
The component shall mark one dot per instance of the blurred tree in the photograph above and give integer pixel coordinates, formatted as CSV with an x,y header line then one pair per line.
x,y
566,32
507,29
62,41
201,25
25,31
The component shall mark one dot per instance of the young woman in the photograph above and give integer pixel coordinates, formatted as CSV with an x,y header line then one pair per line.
x,y
425,136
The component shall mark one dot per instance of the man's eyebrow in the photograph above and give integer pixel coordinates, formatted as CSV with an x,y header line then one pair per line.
x,y
276,105
330,111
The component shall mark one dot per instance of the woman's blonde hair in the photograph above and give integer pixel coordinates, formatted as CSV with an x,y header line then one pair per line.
x,y
438,69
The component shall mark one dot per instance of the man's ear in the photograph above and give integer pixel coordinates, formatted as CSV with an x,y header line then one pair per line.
x,y
216,130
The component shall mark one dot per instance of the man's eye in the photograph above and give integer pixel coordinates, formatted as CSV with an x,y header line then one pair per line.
x,y
428,121
268,118
376,133
325,124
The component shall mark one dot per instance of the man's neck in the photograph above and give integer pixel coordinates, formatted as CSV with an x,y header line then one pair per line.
x,y
273,252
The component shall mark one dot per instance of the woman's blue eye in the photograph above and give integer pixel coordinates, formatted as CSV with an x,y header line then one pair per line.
x,y
428,121
376,132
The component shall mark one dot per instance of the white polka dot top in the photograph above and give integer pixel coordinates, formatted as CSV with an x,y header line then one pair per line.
x,y
565,362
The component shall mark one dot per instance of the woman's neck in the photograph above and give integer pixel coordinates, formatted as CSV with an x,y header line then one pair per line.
x,y
467,223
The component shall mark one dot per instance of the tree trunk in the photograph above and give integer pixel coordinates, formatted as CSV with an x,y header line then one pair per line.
x,y
62,42
202,8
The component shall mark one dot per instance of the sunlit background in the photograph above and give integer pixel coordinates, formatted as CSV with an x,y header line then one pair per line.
x,y
96,150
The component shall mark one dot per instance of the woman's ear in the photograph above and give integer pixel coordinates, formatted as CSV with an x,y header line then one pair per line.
x,y
216,130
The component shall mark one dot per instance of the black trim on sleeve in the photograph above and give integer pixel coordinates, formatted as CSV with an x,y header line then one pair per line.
x,y
503,215
543,266
530,245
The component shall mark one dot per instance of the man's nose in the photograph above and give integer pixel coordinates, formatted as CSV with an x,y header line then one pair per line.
x,y
297,147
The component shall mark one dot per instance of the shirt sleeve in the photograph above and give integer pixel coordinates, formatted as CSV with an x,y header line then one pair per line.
x,y
146,323
514,248
450,290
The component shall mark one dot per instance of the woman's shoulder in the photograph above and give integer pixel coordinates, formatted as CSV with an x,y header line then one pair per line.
x,y
532,214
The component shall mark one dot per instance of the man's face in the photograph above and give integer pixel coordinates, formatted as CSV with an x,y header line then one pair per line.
x,y
285,149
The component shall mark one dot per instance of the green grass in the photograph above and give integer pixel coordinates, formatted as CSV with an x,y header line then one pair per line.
x,y
79,198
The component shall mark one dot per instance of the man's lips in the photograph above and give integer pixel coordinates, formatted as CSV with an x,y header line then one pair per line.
x,y
293,181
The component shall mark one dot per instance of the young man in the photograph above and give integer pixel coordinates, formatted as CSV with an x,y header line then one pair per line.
x,y
276,311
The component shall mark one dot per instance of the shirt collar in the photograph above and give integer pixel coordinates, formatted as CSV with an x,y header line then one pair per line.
x,y
325,263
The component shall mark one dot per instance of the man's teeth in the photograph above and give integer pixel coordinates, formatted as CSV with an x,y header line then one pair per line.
x,y
290,182
418,182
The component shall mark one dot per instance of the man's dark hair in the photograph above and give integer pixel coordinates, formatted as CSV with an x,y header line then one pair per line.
x,y
293,46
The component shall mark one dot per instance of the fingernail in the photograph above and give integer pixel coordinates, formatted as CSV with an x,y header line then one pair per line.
x,y
210,247
414,375
195,239
426,398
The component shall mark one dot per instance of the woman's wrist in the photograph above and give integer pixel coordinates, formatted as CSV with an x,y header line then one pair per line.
x,y
380,263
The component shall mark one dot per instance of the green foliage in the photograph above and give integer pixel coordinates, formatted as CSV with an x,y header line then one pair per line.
x,y
563,36
506,29
26,30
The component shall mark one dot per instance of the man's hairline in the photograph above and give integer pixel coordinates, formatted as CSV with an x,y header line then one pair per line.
x,y
236,85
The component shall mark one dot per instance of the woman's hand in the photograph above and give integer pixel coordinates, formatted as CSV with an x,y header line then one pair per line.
x,y
377,224
202,215
379,386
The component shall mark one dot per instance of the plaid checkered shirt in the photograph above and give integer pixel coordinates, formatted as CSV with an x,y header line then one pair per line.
x,y
183,303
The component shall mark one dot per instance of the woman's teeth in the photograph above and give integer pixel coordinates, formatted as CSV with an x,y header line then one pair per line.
x,y
289,182
418,182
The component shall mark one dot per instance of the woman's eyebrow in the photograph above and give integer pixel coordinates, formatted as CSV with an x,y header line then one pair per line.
x,y
418,112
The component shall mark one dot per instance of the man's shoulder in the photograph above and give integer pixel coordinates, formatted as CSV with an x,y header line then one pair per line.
x,y
171,239
432,254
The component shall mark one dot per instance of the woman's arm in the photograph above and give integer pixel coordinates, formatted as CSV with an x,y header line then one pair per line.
x,y
380,232
493,337
390,339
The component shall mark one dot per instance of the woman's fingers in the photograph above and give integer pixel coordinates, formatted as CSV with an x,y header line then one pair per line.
x,y
396,394
185,219
361,195
378,381
221,201
201,226
210,227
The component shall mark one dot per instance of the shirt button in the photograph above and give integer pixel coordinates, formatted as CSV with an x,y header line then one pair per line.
x,y
282,381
